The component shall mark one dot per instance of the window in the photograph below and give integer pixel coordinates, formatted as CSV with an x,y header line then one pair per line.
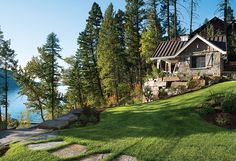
x,y
198,61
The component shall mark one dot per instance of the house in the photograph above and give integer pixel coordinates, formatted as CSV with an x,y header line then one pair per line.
x,y
195,54
192,56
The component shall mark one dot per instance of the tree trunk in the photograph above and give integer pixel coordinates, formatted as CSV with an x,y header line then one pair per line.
x,y
168,18
225,21
6,96
97,74
191,17
53,90
175,19
41,113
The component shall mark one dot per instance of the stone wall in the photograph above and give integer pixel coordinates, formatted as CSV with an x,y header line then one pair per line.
x,y
214,63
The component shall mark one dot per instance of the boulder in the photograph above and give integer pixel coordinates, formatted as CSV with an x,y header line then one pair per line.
x,y
54,124
77,112
3,149
68,117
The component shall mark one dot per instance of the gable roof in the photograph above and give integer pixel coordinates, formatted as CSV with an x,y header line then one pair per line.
x,y
205,41
171,49
215,21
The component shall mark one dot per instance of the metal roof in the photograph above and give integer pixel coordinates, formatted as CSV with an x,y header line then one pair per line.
x,y
170,48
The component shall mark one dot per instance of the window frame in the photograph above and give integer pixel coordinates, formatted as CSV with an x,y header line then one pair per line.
x,y
198,65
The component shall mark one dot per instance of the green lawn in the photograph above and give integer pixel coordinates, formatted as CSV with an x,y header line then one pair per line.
x,y
163,130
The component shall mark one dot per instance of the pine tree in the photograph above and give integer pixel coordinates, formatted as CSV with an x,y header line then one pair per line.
x,y
175,20
1,77
72,78
7,58
87,53
49,54
230,15
193,7
173,30
134,20
111,60
165,15
27,79
152,36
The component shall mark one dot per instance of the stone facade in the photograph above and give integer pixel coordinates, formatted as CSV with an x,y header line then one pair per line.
x,y
214,62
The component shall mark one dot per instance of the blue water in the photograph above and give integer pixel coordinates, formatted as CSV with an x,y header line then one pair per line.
x,y
16,106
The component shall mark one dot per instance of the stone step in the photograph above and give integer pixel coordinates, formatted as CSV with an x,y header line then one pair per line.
x,y
73,150
46,146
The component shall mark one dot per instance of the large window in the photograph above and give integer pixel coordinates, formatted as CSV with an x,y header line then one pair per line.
x,y
199,61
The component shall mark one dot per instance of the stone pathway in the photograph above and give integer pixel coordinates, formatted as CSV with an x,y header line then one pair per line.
x,y
73,150
94,157
40,137
46,146
10,136
125,158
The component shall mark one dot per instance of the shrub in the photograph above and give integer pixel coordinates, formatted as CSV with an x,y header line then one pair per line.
x,y
112,101
180,89
192,84
163,93
206,109
147,92
137,92
229,104
216,98
222,119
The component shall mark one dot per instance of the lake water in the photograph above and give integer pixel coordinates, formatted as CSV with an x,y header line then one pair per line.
x,y
16,106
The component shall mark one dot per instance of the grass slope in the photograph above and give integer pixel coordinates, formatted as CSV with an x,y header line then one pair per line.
x,y
163,130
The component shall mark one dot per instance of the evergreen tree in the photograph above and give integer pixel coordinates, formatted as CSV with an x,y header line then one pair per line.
x,y
49,54
110,54
72,79
230,15
193,8
35,91
133,28
1,77
165,15
180,31
87,55
152,36
7,59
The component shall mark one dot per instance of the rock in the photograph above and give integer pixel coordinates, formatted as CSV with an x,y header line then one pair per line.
x,y
46,146
176,84
94,157
10,136
125,158
3,149
40,137
54,124
77,112
68,117
70,151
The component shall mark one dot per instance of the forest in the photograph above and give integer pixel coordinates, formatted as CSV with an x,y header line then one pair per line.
x,y
112,60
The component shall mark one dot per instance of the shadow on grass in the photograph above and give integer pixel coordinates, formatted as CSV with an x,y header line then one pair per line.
x,y
166,119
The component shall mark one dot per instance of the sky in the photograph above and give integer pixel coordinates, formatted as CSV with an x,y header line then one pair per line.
x,y
28,22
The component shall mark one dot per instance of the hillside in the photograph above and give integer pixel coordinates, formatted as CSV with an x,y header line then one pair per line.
x,y
163,130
